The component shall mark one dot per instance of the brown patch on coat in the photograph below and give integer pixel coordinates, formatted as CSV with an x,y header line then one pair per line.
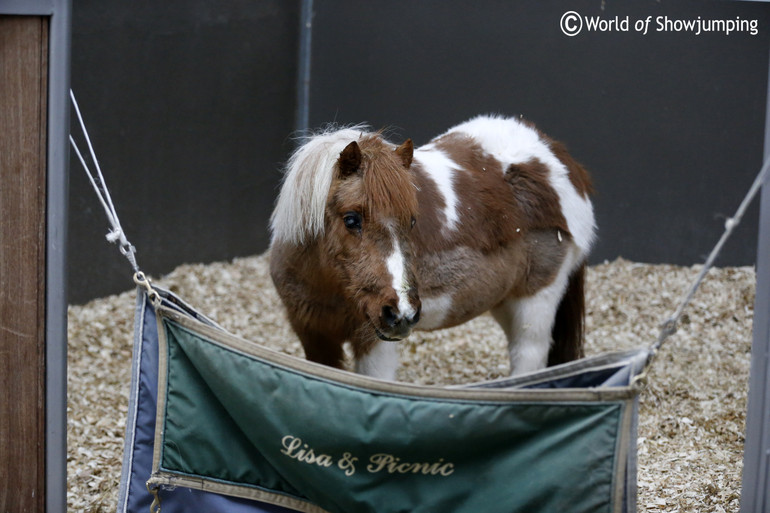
x,y
578,175
545,254
487,211
537,201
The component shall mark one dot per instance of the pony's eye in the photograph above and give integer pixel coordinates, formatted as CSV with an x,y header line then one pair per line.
x,y
413,222
352,221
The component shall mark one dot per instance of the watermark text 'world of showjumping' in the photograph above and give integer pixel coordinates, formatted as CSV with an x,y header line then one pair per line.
x,y
572,24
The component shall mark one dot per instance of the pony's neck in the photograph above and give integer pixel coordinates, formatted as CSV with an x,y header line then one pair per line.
x,y
316,269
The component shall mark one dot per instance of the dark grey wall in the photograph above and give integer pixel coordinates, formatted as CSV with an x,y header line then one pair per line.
x,y
191,107
671,125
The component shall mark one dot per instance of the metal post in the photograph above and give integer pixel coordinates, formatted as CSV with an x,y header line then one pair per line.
x,y
755,496
56,259
303,73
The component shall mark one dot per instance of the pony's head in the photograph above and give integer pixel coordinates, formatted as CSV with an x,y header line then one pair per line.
x,y
351,193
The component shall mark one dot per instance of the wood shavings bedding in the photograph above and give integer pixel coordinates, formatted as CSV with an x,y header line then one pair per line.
x,y
692,414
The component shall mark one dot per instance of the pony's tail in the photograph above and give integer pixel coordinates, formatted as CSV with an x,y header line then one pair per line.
x,y
568,331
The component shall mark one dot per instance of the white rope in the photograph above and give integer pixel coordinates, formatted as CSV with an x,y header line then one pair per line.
x,y
116,234
669,326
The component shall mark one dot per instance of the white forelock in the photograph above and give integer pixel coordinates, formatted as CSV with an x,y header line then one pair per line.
x,y
299,211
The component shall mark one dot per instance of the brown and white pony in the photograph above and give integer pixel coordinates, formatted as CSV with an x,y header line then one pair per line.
x,y
371,240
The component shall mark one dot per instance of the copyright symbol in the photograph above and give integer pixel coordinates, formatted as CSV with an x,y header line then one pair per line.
x,y
571,23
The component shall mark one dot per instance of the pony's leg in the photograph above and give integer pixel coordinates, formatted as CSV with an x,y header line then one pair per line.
x,y
528,323
321,348
381,361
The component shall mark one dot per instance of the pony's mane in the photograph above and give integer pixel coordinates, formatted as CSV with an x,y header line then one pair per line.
x,y
299,212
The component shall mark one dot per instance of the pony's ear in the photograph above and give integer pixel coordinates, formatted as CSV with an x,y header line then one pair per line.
x,y
406,152
350,159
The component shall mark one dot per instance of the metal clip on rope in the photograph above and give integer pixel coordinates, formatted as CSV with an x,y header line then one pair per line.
x,y
143,281
155,492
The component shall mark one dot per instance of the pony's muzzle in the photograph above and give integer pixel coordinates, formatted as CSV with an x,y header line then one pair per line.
x,y
395,325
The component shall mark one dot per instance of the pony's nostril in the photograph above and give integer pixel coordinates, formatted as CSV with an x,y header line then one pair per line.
x,y
389,317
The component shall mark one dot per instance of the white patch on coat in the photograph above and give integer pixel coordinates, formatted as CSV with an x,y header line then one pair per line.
x,y
396,267
434,311
381,362
528,322
512,142
441,169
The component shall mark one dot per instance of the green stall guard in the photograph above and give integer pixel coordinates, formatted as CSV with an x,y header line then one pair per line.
x,y
237,419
